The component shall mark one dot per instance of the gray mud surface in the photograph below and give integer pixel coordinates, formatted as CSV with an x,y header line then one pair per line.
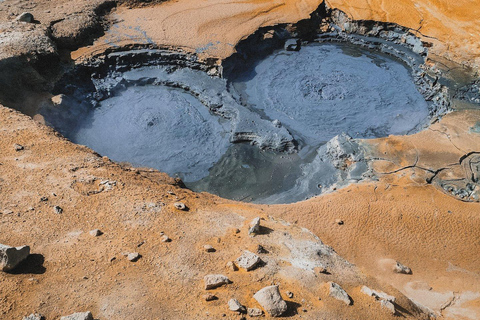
x,y
273,133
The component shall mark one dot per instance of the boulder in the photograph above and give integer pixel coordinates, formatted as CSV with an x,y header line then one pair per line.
x,y
10,257
213,281
271,301
248,260
79,316
337,292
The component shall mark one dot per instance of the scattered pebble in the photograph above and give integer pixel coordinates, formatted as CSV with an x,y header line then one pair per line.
x,y
339,222
165,238
213,281
400,268
57,209
133,256
34,316
43,199
289,294
18,147
232,266
261,250
209,297
96,233
180,206
209,248
254,312
235,305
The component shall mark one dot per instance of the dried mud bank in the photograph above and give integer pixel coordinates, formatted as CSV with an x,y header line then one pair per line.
x,y
211,82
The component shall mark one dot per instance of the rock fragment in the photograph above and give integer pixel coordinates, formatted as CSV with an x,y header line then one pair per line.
x,y
79,316
379,295
400,268
337,292
57,209
339,222
271,301
95,233
165,238
209,297
180,206
34,316
388,305
213,281
232,266
235,305
254,312
25,17
254,226
292,45
209,248
10,257
248,260
133,256
289,294
18,147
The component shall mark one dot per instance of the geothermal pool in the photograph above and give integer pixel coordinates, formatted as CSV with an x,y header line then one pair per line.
x,y
182,121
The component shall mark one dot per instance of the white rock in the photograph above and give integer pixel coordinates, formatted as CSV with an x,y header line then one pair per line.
x,y
10,257
34,316
254,226
235,305
254,312
388,305
335,291
133,256
180,206
271,301
208,248
96,233
379,295
213,281
79,316
248,260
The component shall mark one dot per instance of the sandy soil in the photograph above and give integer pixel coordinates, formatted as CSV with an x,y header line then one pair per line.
x,y
400,217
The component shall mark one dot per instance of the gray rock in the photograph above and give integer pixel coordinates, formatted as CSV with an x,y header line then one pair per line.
x,y
335,291
379,295
254,226
133,256
10,257
235,305
254,312
388,305
292,45
271,301
96,233
25,17
79,316
34,316
213,281
248,260
400,268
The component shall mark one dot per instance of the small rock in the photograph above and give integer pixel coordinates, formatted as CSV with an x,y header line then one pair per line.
x,y
254,312
57,209
400,268
133,256
292,45
271,300
289,294
232,266
277,123
335,291
34,316
95,232
18,147
79,316
254,226
261,250
25,17
339,222
213,281
379,295
209,248
235,305
44,199
322,270
10,257
248,260
209,297
180,206
165,238
388,305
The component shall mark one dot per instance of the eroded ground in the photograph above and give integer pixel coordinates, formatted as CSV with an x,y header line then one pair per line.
x,y
421,209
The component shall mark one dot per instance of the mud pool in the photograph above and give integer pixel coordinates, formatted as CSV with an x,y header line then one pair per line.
x,y
271,133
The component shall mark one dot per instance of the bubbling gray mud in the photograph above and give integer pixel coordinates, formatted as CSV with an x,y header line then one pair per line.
x,y
272,133
325,89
